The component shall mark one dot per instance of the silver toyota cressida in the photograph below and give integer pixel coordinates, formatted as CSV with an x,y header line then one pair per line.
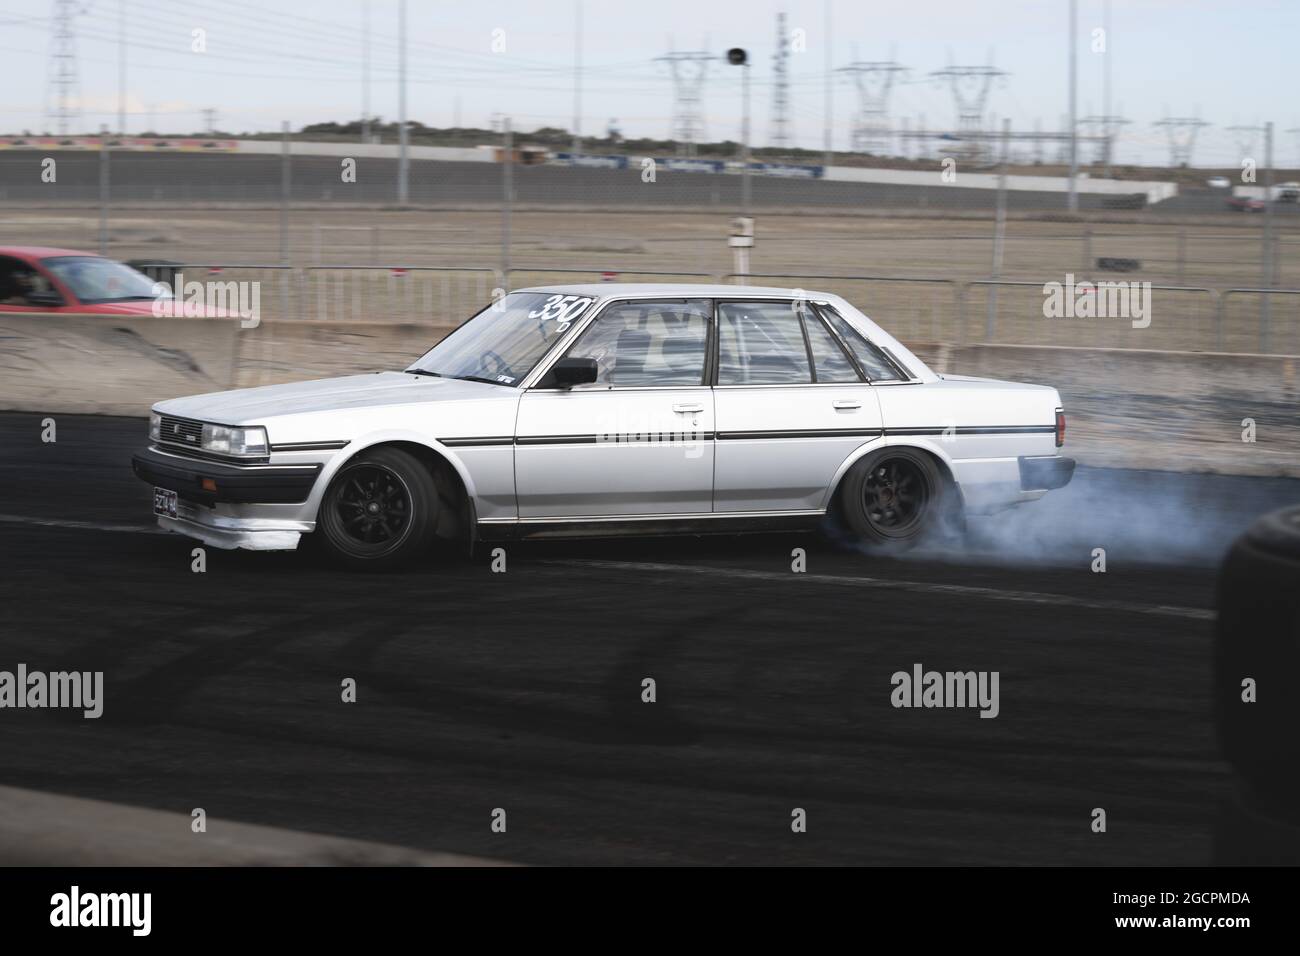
x,y
609,409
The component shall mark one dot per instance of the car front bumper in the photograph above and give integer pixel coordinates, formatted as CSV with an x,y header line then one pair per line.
x,y
254,507
211,482
1045,472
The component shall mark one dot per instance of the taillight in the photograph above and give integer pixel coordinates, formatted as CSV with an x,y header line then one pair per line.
x,y
1060,427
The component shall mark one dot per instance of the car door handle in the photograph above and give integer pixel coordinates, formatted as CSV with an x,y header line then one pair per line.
x,y
688,407
845,403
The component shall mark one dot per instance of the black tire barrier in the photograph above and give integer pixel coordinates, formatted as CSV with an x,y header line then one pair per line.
x,y
1257,640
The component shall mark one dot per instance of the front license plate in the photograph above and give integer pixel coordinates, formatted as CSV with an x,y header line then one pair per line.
x,y
164,502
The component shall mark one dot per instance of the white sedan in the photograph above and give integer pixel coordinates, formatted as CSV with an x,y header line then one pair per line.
x,y
609,409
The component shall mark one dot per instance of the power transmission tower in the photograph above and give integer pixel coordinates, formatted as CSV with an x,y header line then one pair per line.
x,y
1102,128
1181,131
1245,137
781,135
688,70
210,121
64,106
970,92
874,81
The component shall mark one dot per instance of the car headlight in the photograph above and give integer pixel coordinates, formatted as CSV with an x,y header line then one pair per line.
x,y
155,426
241,442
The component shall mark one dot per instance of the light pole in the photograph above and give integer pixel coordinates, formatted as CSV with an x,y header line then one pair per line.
x,y
738,57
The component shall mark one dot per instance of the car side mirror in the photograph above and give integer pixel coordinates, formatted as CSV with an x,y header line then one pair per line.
x,y
569,372
44,297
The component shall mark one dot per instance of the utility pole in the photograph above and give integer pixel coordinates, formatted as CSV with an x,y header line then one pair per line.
x,y
999,233
827,117
103,190
286,184
507,195
1072,203
403,161
577,76
365,71
121,67
1268,263
1105,85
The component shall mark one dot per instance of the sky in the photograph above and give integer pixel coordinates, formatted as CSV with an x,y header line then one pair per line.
x,y
1228,63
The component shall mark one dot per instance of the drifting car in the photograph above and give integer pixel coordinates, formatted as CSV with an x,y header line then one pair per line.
x,y
609,409
42,279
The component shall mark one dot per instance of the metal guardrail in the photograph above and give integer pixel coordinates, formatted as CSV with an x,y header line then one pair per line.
x,y
522,277
1266,330
437,295
893,298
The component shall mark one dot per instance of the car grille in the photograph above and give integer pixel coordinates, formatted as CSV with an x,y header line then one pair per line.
x,y
180,431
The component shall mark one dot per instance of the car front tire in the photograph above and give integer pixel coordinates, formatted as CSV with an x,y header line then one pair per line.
x,y
379,512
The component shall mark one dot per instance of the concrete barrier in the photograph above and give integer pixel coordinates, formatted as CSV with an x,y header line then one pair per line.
x,y
296,351
1172,411
111,364
1177,411
45,829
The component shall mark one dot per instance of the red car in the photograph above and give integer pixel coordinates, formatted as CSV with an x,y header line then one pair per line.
x,y
39,279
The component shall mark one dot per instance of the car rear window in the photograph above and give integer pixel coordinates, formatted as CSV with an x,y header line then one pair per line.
x,y
877,367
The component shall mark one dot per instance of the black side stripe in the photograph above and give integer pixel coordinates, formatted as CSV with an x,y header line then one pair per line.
x,y
309,446
467,442
653,437
976,430
801,433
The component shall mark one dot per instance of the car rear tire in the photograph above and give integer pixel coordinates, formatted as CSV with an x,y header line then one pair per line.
x,y
379,512
893,498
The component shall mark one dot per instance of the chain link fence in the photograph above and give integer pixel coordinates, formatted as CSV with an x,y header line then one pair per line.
x,y
926,258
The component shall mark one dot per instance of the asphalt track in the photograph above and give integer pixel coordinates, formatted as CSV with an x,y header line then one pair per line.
x,y
521,690
189,178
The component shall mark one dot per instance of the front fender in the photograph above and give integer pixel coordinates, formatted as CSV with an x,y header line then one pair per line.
x,y
370,440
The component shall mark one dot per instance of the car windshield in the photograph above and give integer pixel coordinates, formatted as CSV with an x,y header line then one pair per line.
x,y
93,279
502,343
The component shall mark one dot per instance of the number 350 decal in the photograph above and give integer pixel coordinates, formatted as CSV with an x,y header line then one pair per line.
x,y
561,309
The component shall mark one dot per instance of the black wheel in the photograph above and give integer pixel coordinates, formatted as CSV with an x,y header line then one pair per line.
x,y
892,498
380,510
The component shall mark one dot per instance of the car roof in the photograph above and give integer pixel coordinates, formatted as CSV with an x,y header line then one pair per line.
x,y
41,252
679,290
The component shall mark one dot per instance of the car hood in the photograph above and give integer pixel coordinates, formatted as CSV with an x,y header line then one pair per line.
x,y
131,307
247,406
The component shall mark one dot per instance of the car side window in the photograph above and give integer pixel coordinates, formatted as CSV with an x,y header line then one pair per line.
x,y
761,343
830,362
872,361
648,343
18,281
